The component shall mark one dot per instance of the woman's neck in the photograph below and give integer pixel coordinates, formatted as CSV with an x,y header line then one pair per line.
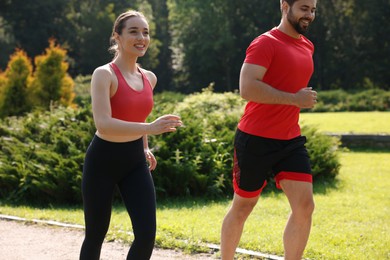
x,y
127,64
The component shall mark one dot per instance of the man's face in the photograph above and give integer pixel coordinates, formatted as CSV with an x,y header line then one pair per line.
x,y
301,14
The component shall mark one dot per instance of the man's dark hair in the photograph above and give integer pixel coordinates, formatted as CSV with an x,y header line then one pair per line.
x,y
289,2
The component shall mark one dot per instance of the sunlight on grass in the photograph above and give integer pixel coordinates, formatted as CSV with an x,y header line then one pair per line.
x,y
348,122
351,221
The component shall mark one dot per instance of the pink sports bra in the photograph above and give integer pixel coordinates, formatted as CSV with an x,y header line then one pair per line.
x,y
128,104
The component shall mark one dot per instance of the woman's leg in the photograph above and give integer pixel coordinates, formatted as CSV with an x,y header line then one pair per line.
x,y
138,193
97,191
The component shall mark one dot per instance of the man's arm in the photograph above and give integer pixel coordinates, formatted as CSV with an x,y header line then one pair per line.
x,y
252,88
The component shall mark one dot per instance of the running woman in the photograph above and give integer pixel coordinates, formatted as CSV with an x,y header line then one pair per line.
x,y
119,156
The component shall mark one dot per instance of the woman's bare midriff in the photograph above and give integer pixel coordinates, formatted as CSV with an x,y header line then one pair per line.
x,y
118,138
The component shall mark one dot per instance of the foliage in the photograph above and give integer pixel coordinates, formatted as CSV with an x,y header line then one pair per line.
x,y
323,151
42,155
197,159
93,23
82,86
22,89
198,42
51,82
341,100
15,83
212,36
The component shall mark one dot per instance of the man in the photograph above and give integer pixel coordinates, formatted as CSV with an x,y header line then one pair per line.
x,y
268,141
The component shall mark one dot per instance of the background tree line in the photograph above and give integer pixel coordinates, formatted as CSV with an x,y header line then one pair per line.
x,y
198,42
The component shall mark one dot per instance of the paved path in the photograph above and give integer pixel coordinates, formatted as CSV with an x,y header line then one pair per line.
x,y
31,241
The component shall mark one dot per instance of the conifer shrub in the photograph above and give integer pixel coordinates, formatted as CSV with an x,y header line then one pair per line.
x,y
197,159
15,85
51,81
42,154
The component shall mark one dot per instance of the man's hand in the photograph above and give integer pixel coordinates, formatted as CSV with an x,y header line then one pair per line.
x,y
305,98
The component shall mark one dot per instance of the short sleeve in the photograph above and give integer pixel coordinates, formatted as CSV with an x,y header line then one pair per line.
x,y
260,52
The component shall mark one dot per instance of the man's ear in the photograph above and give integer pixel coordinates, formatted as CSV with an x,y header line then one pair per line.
x,y
284,6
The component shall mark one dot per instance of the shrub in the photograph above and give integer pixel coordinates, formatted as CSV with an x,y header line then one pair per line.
x,y
42,155
51,81
340,100
16,80
197,159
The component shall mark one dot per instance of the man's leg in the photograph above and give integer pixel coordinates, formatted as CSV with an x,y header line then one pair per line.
x,y
296,233
233,224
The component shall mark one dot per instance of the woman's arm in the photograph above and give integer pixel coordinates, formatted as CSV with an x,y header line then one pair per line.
x,y
107,125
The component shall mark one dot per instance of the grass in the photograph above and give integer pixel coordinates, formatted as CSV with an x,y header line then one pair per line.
x,y
349,122
351,220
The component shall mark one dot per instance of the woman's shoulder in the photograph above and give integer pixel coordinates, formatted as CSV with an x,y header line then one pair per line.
x,y
150,75
104,69
102,75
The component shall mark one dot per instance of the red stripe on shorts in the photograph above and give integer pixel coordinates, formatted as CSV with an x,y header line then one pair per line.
x,y
294,176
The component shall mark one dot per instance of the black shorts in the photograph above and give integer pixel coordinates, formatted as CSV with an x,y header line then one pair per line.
x,y
257,159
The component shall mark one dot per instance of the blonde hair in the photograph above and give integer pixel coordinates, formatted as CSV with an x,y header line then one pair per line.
x,y
118,28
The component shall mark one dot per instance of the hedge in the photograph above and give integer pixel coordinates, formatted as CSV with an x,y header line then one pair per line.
x,y
42,153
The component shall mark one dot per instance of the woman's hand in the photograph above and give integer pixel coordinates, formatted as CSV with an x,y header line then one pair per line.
x,y
151,159
164,124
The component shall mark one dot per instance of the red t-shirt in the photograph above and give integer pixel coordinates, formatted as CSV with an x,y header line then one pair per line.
x,y
289,65
129,104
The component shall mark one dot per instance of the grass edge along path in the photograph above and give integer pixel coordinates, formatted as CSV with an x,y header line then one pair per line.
x,y
351,219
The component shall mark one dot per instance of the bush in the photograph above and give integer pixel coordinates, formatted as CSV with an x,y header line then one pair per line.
x,y
197,159
340,100
42,153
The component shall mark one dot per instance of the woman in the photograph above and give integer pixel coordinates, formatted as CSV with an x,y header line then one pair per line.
x,y
122,98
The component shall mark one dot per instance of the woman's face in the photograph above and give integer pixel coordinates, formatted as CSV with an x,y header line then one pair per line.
x,y
134,38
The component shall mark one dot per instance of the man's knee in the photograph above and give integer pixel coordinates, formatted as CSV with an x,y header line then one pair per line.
x,y
305,208
242,207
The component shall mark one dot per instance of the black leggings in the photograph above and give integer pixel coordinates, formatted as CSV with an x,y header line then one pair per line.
x,y
106,166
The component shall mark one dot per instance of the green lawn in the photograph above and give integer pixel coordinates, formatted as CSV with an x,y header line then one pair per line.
x,y
351,220
348,122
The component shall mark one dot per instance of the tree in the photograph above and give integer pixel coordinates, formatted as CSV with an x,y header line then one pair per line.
x,y
162,33
210,38
51,81
33,22
16,80
92,23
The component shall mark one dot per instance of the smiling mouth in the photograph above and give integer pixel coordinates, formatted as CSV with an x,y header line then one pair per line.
x,y
139,46
305,22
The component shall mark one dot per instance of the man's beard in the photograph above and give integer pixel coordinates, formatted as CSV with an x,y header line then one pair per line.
x,y
295,23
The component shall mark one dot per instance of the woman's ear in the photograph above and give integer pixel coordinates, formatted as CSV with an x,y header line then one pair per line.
x,y
115,35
